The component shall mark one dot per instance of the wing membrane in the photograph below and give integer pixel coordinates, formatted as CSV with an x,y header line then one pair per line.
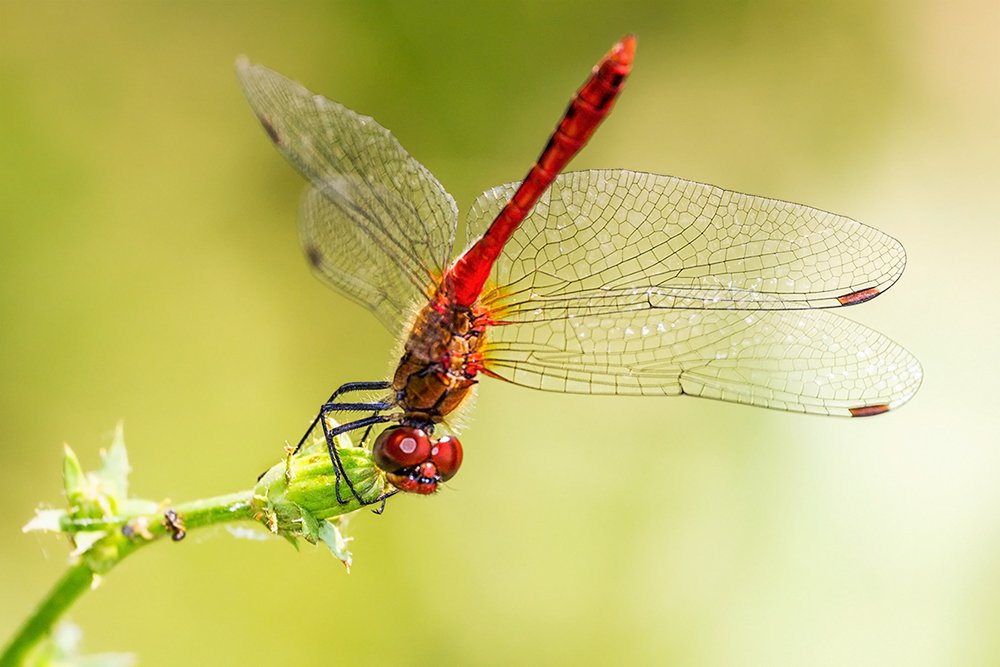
x,y
636,284
612,240
800,360
375,223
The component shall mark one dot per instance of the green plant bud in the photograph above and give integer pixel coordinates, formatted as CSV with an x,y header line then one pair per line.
x,y
295,496
89,495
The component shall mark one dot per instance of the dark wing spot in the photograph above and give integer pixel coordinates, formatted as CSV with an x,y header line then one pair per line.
x,y
869,410
269,128
858,297
314,256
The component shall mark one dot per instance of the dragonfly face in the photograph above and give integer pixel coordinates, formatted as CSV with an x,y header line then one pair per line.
x,y
596,282
413,461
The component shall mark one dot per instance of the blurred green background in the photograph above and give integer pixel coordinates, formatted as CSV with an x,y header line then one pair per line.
x,y
150,271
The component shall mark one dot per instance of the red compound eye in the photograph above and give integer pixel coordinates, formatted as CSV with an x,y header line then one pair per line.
x,y
401,447
447,456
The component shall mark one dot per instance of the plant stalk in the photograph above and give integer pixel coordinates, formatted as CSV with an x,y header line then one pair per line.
x,y
110,550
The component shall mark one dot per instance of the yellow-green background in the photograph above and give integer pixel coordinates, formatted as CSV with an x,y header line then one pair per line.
x,y
150,271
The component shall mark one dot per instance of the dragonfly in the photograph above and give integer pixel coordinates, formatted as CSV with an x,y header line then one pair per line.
x,y
607,281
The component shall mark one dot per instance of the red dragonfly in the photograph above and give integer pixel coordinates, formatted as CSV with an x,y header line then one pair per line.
x,y
592,282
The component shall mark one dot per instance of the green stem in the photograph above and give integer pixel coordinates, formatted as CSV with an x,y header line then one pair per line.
x,y
110,550
221,509
295,498
72,585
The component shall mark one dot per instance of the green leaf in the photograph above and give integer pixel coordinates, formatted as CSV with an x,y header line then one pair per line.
x,y
336,542
45,520
74,479
310,526
84,540
114,469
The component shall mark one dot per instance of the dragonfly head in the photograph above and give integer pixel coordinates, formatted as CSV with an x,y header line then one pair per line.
x,y
413,461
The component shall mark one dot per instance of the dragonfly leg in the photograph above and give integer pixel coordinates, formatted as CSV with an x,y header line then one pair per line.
x,y
338,465
364,437
388,494
359,386
373,406
330,406
384,497
344,389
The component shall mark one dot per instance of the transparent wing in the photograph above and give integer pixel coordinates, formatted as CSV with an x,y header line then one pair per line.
x,y
375,223
355,260
609,240
636,284
800,360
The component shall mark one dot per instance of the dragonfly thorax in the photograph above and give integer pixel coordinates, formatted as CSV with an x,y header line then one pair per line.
x,y
441,360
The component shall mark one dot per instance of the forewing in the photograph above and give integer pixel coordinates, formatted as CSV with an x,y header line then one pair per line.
x,y
608,240
360,269
375,223
627,283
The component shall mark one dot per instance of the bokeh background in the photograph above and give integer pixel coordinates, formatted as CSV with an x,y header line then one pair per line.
x,y
150,272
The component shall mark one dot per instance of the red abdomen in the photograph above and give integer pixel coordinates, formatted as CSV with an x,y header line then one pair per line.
x,y
466,278
442,356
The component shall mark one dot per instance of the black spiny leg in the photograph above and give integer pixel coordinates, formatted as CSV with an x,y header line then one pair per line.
x,y
330,435
388,494
338,465
330,406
